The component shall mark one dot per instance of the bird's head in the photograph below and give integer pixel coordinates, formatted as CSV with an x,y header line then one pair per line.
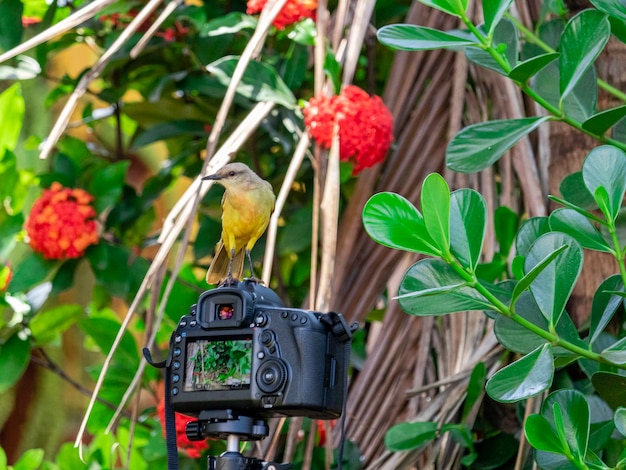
x,y
233,174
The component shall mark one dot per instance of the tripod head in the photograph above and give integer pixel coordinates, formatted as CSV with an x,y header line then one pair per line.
x,y
225,424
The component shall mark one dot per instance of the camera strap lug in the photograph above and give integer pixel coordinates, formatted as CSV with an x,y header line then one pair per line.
x,y
148,357
337,324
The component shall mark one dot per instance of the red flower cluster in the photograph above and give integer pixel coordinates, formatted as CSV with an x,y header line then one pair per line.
x,y
61,223
365,125
292,12
192,448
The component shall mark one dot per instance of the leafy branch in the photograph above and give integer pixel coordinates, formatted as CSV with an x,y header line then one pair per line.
x,y
494,45
528,309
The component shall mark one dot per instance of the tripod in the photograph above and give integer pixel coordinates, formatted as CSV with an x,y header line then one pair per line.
x,y
224,424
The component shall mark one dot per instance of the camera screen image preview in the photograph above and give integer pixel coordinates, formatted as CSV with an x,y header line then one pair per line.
x,y
218,365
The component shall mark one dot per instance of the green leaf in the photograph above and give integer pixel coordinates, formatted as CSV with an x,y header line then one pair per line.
x,y
435,202
407,436
580,103
555,283
601,122
620,420
408,37
14,357
575,192
524,71
30,460
524,378
568,411
304,32
525,282
31,270
112,267
432,287
506,42
11,114
228,24
529,232
520,339
579,228
605,166
260,81
171,129
468,216
584,37
11,24
541,434
479,146
611,388
393,221
615,8
451,7
493,11
475,388
49,324
180,113
604,305
506,224
106,185
103,332
616,353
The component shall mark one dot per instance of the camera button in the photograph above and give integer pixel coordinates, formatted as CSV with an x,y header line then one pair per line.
x,y
284,314
175,391
175,378
294,317
260,319
193,323
178,339
177,351
176,364
260,355
183,323
303,320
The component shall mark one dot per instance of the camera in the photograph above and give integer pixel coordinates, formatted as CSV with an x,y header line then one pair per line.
x,y
241,350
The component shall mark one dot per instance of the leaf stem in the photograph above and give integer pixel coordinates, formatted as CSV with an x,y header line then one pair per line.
x,y
535,39
505,310
529,91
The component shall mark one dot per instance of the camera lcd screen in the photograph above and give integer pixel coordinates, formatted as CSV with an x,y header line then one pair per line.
x,y
218,365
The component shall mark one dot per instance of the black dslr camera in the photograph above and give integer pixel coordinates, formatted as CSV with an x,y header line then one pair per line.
x,y
240,352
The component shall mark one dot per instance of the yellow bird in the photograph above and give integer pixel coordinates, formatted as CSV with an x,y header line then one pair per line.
x,y
247,205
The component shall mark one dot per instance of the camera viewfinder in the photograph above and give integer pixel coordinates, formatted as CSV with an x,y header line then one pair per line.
x,y
225,311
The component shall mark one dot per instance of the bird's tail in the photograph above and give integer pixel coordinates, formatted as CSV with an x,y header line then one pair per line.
x,y
218,271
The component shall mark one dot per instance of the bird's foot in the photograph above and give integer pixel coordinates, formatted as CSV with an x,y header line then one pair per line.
x,y
255,280
228,281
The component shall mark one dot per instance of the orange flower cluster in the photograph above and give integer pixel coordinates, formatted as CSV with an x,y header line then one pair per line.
x,y
61,223
192,448
292,12
365,125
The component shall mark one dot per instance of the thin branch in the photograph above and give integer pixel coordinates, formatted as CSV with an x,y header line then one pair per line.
x,y
94,72
285,189
61,27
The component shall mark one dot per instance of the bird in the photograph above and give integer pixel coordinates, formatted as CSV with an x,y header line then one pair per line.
x,y
247,206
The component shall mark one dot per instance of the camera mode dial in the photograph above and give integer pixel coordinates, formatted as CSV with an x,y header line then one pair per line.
x,y
272,376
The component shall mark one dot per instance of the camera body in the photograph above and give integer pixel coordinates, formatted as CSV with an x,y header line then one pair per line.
x,y
241,349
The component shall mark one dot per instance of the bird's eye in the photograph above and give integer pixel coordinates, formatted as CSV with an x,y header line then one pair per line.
x,y
232,173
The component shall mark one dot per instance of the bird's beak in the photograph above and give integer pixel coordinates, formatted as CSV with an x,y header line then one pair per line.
x,y
211,177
